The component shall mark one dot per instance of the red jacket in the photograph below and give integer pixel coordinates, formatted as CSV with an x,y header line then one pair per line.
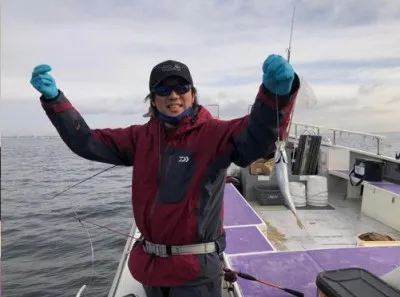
x,y
177,183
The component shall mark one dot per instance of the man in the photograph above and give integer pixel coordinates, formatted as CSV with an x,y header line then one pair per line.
x,y
180,158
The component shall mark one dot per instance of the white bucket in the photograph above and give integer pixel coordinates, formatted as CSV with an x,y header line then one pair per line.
x,y
298,192
317,190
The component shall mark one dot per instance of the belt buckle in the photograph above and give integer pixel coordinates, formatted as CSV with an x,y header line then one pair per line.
x,y
157,250
160,251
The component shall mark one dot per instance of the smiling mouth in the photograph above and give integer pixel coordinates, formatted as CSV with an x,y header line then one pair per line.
x,y
174,106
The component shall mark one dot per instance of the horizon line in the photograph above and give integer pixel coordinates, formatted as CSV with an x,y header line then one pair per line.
x,y
57,135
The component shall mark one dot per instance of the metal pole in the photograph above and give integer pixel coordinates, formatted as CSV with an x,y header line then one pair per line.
x,y
378,142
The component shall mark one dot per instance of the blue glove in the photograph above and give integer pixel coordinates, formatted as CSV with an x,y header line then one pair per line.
x,y
278,75
43,82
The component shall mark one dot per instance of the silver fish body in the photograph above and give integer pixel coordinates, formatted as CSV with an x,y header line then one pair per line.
x,y
281,171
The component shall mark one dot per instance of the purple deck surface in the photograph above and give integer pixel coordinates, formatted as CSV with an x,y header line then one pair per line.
x,y
298,270
294,270
386,185
378,260
245,240
237,212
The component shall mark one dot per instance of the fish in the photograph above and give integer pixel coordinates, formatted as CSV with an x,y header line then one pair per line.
x,y
281,171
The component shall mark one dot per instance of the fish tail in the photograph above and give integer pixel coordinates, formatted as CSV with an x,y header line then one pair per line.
x,y
299,223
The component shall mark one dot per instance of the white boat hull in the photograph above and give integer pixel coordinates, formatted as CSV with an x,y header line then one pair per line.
x,y
124,284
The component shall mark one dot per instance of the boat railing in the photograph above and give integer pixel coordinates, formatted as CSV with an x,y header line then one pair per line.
x,y
315,129
377,138
335,133
303,128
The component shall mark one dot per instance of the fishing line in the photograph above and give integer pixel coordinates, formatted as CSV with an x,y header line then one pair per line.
x,y
81,221
277,112
83,225
82,181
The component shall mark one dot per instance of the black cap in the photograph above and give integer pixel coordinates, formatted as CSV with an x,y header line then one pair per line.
x,y
167,69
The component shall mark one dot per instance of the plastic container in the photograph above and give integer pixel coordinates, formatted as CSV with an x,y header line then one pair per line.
x,y
367,243
353,282
267,195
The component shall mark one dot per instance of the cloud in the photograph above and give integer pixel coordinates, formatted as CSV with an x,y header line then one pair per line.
x,y
394,100
102,52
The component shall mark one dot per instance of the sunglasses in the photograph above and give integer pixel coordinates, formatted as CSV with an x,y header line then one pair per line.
x,y
167,90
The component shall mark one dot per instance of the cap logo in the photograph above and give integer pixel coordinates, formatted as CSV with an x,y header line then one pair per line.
x,y
170,67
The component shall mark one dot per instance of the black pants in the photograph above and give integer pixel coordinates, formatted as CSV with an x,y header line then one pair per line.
x,y
212,289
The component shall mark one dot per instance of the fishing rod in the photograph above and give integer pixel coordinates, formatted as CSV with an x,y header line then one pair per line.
x,y
289,50
231,276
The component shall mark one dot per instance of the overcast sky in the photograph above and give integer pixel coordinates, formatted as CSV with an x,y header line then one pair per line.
x,y
102,52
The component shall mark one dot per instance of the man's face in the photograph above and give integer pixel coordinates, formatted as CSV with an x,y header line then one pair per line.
x,y
173,96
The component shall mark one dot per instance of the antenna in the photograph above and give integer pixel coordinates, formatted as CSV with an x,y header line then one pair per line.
x,y
291,34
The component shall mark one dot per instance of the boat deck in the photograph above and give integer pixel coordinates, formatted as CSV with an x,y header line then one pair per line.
x,y
266,242
298,270
333,227
278,251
